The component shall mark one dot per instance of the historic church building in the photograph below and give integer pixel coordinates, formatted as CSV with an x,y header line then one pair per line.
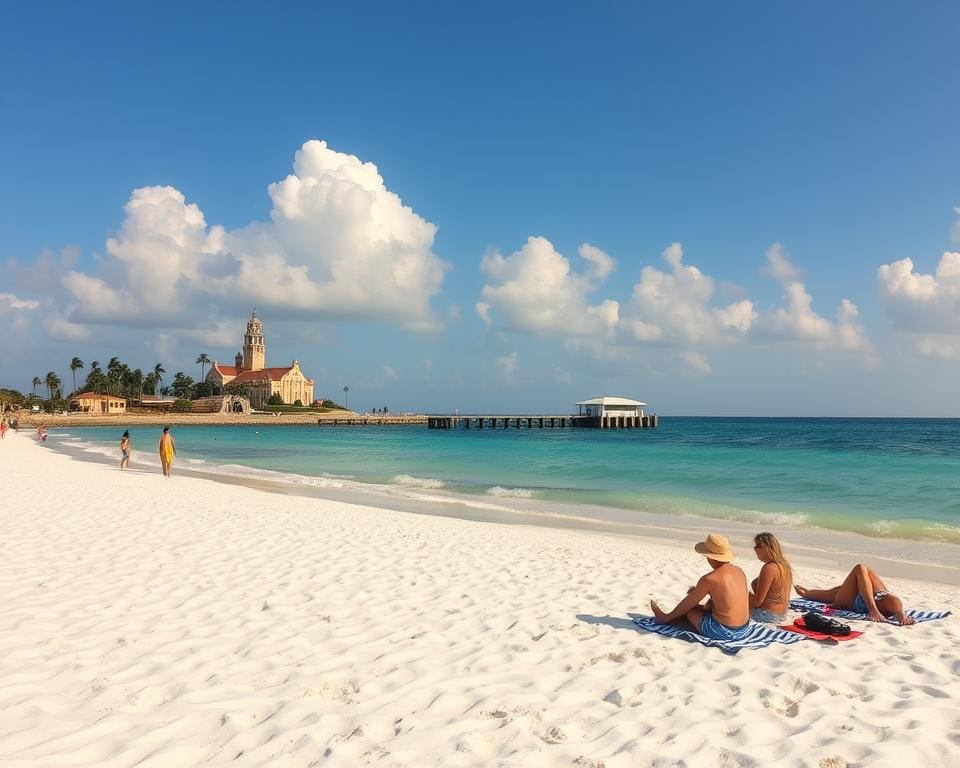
x,y
261,383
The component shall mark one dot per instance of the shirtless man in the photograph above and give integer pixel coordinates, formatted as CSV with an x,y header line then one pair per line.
x,y
726,614
863,591
168,449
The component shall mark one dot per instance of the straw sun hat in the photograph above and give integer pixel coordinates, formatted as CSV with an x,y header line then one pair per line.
x,y
716,547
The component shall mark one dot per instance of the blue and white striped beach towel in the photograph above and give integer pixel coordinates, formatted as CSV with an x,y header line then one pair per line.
x,y
803,604
758,636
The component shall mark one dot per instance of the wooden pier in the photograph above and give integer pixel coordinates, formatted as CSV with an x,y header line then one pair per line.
x,y
366,421
540,421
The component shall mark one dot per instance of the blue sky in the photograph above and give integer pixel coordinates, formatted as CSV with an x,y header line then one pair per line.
x,y
798,156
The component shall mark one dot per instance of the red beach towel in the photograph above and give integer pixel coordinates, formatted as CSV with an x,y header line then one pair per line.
x,y
799,627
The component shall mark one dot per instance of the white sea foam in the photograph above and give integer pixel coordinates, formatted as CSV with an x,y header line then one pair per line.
x,y
942,531
238,470
777,519
884,527
515,493
409,481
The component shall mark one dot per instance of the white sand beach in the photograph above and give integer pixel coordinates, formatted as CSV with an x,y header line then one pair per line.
x,y
148,621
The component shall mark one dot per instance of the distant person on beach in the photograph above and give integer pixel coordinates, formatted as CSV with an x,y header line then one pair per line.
x,y
3,429
770,591
726,614
125,449
42,434
168,449
862,591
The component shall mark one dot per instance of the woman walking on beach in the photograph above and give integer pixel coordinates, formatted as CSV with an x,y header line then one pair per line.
x,y
125,449
168,449
863,591
770,591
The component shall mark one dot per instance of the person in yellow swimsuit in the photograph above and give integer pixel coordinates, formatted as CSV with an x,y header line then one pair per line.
x,y
168,449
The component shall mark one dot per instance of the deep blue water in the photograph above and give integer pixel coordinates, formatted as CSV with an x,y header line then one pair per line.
x,y
883,477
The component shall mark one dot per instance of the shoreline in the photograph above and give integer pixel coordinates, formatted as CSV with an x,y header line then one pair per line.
x,y
121,420
917,559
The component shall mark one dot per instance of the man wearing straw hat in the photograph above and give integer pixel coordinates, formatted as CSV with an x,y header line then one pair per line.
x,y
726,614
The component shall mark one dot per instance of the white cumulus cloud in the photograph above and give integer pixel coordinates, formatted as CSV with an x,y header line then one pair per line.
x,y
797,320
9,301
535,290
59,328
924,307
675,306
339,245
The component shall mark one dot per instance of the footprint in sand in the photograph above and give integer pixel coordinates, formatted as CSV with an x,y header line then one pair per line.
x,y
553,735
342,738
833,762
343,691
586,762
779,703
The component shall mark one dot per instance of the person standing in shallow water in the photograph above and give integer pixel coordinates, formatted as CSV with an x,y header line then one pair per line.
x,y
168,449
125,446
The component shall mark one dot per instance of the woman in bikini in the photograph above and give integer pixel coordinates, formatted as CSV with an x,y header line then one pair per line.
x,y
125,450
770,591
862,591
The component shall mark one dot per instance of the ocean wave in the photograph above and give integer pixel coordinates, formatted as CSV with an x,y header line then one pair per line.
x,y
514,493
942,532
408,481
883,527
777,519
289,478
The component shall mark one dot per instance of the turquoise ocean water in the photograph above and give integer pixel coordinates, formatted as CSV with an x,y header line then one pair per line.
x,y
896,478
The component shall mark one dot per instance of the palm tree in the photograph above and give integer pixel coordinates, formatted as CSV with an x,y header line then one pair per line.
x,y
158,371
203,360
137,381
114,369
75,365
37,381
126,381
53,383
345,397
96,380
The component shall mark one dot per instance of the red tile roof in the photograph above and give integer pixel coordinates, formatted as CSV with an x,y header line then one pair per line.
x,y
273,374
229,370
95,396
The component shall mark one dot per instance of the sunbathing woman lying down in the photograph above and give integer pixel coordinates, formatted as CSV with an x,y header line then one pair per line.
x,y
862,591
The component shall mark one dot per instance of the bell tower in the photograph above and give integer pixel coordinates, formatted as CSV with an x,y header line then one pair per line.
x,y
254,349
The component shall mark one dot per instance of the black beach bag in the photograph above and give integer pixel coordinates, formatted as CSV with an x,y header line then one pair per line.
x,y
825,624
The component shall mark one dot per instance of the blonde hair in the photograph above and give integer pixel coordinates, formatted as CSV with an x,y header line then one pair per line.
x,y
769,544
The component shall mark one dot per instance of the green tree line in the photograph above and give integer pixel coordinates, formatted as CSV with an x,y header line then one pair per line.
x,y
119,379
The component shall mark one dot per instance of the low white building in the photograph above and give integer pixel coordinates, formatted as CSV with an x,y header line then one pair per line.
x,y
605,407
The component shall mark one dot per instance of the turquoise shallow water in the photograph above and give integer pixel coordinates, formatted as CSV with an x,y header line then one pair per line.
x,y
895,478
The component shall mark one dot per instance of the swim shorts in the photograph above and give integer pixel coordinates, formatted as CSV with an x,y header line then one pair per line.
x,y
860,605
768,617
710,627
